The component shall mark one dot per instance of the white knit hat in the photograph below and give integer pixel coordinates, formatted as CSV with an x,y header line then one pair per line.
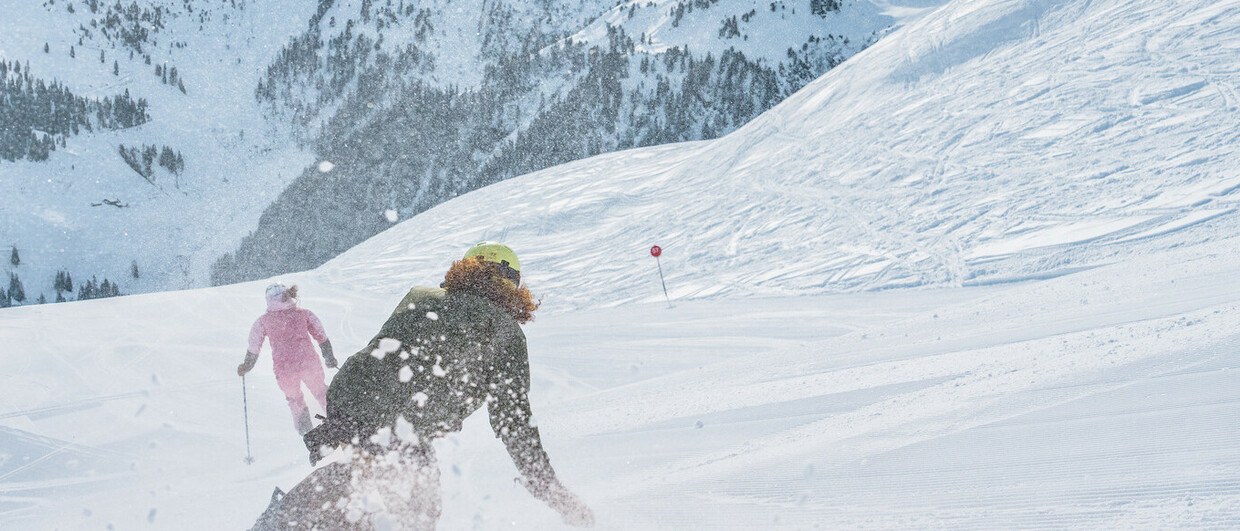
x,y
274,291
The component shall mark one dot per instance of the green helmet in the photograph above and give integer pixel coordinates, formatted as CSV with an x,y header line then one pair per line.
x,y
499,254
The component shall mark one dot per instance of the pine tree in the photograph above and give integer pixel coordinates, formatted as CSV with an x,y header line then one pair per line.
x,y
133,270
42,299
116,68
4,299
14,258
72,52
100,56
88,291
46,48
167,159
16,291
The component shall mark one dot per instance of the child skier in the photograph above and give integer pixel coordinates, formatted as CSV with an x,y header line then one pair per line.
x,y
290,329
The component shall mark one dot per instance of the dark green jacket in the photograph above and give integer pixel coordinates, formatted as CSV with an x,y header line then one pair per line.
x,y
438,358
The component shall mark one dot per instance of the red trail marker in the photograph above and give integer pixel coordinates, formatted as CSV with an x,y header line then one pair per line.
x,y
655,251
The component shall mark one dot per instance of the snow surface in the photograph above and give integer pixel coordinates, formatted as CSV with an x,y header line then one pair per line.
x,y
982,275
236,163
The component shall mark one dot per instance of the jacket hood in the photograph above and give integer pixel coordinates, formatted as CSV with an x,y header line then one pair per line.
x,y
275,305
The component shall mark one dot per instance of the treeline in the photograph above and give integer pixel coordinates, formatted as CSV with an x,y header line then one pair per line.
x,y
142,159
62,285
35,115
131,25
169,76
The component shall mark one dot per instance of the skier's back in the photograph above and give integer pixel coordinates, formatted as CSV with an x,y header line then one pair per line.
x,y
290,329
442,355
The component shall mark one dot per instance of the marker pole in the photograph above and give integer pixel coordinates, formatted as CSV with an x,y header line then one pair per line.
x,y
655,251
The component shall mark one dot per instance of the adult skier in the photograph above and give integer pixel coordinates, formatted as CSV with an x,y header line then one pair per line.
x,y
441,355
292,356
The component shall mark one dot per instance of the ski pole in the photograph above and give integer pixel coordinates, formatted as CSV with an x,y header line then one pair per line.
x,y
245,402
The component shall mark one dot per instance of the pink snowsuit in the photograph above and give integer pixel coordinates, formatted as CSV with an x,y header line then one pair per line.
x,y
293,357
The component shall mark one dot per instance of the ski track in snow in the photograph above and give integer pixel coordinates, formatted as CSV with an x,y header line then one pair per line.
x,y
1053,177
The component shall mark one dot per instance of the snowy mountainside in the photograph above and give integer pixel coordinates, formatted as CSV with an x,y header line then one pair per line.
x,y
1065,361
454,44
416,105
984,143
87,211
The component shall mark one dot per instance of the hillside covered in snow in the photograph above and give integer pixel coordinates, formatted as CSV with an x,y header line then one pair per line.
x,y
981,275
415,103
161,193
166,144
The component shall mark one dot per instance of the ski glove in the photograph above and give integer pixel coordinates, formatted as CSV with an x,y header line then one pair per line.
x,y
573,511
328,357
250,359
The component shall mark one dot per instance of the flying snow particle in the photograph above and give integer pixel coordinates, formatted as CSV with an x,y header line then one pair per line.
x,y
326,166
420,398
391,216
432,316
406,374
383,437
438,371
387,346
404,430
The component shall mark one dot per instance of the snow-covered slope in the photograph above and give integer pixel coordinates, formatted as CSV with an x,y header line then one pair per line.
x,y
986,142
170,226
417,104
1052,177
